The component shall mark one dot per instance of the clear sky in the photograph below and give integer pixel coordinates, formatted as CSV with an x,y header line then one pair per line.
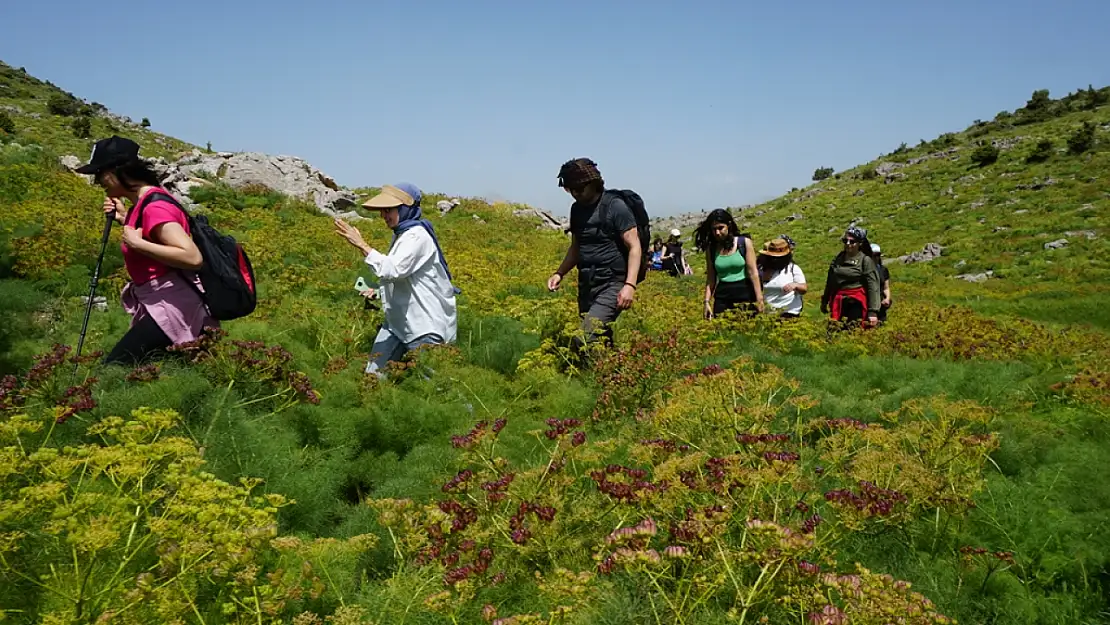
x,y
695,106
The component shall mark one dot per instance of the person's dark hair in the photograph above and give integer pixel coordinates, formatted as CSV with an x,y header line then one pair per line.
x,y
703,236
773,263
136,173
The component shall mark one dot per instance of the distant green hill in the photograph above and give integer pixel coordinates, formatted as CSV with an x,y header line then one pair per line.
x,y
992,196
37,111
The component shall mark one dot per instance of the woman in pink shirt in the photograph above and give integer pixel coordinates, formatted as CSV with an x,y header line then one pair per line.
x,y
163,296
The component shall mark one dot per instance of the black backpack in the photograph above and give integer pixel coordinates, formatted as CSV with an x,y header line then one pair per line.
x,y
643,226
226,275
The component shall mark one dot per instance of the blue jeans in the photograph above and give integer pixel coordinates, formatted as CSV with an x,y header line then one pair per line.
x,y
388,348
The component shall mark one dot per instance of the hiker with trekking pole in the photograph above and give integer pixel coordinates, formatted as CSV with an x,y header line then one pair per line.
x,y
164,295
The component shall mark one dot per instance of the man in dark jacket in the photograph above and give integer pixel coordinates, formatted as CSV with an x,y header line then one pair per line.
x,y
604,246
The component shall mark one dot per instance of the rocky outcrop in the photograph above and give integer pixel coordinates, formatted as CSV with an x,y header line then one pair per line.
x,y
547,220
930,252
285,174
446,206
976,277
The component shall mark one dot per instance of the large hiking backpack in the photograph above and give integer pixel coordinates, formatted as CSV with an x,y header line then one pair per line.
x,y
643,226
226,275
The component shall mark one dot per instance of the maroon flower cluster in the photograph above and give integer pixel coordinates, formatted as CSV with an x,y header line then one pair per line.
x,y
705,372
845,423
462,515
76,399
717,478
520,532
10,397
871,499
751,439
471,438
1004,556
266,364
781,456
458,482
665,445
44,366
144,373
625,491
477,567
808,568
560,427
697,524
495,489
40,381
810,524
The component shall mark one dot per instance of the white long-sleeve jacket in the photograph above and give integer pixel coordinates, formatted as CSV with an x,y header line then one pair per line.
x,y
417,298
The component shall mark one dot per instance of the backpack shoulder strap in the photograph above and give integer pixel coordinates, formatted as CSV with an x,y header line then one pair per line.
x,y
165,197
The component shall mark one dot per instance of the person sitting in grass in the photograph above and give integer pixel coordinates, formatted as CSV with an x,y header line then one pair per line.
x,y
417,294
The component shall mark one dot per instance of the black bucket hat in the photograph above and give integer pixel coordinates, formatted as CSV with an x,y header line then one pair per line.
x,y
108,153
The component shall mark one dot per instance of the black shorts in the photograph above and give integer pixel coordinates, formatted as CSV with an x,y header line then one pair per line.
x,y
730,295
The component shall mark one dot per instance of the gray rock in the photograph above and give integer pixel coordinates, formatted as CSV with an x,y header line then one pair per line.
x,y
894,177
446,206
1055,245
960,264
11,108
1006,143
931,251
1037,185
285,174
999,228
99,303
547,219
1021,211
976,277
70,162
858,193
1090,234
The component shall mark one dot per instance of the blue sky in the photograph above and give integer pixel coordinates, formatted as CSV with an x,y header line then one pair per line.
x,y
714,104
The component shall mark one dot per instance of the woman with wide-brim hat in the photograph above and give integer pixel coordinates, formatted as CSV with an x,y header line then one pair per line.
x,y
163,294
417,294
784,283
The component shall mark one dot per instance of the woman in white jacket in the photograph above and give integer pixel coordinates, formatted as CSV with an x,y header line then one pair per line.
x,y
784,284
418,298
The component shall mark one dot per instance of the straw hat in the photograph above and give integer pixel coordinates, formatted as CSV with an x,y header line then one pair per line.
x,y
775,247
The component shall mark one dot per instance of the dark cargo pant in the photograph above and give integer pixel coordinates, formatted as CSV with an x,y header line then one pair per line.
x,y
598,305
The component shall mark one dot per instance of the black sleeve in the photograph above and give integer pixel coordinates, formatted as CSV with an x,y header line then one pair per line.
x,y
620,216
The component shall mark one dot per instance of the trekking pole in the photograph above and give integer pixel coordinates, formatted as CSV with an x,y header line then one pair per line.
x,y
108,219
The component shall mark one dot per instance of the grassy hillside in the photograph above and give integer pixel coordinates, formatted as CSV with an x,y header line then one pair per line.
x,y
991,210
38,112
733,471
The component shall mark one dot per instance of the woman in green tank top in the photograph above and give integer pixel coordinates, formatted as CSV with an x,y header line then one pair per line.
x,y
730,266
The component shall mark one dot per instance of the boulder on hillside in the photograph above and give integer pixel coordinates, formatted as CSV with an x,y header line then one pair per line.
x,y
446,206
547,219
976,277
930,252
285,174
